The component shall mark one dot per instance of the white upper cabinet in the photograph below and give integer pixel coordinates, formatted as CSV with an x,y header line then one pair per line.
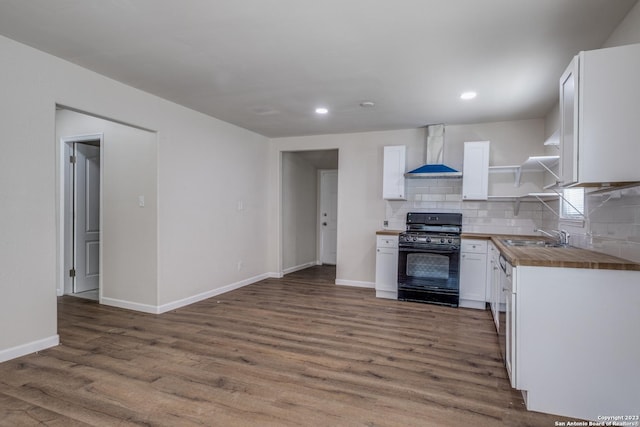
x,y
395,164
475,171
599,111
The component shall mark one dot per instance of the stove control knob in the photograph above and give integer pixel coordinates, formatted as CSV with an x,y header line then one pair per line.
x,y
441,240
415,239
428,239
450,241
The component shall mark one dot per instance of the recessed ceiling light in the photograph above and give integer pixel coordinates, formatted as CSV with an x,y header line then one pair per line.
x,y
367,104
468,95
322,110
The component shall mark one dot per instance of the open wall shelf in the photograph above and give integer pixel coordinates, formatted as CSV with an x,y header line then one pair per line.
x,y
531,197
532,164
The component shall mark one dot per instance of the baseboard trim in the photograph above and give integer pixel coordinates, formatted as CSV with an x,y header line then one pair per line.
x,y
212,293
28,348
355,283
299,267
129,305
152,309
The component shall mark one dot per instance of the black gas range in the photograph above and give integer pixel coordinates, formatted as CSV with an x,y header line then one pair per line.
x,y
429,258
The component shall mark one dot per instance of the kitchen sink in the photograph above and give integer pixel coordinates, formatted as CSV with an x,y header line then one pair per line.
x,y
533,243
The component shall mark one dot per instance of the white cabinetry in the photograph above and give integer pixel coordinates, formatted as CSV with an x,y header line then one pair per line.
x,y
493,281
599,112
387,267
575,339
510,331
473,273
475,171
569,125
394,166
497,296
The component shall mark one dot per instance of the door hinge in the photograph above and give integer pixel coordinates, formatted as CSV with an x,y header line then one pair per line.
x,y
72,159
72,272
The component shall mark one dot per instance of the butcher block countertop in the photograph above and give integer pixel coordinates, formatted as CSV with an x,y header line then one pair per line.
x,y
389,232
567,257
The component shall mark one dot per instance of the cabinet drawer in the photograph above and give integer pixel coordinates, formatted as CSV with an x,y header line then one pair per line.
x,y
387,242
474,246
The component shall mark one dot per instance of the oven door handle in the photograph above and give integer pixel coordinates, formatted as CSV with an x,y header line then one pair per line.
x,y
429,251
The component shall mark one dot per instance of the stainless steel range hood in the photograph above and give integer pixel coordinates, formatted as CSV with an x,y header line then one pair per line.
x,y
434,166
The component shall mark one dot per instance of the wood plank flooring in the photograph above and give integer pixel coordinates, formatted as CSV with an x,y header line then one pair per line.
x,y
297,351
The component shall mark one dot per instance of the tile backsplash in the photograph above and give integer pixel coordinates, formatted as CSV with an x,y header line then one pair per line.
x,y
445,195
612,225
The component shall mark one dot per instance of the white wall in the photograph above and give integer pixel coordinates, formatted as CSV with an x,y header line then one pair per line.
x,y
361,210
129,233
213,207
299,211
360,205
205,166
628,31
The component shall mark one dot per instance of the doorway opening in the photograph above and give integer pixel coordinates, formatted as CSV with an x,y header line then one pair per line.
x,y
81,162
309,210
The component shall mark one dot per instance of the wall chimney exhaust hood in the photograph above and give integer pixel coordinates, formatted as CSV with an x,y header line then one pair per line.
x,y
434,156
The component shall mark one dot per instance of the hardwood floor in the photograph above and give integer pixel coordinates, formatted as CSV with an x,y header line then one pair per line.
x,y
281,352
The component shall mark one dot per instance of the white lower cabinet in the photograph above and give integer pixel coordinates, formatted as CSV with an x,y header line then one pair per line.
x,y
387,267
473,273
574,340
509,295
493,282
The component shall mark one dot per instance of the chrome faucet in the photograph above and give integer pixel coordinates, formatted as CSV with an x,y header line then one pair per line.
x,y
561,235
564,237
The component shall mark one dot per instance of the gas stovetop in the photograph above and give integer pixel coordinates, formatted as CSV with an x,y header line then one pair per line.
x,y
434,239
432,230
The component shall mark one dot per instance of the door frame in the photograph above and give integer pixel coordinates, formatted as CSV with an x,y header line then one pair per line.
x,y
319,240
279,216
64,283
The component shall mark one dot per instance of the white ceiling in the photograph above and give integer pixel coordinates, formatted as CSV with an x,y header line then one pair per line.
x,y
266,64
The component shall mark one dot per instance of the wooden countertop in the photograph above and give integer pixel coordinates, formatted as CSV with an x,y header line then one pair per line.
x,y
569,257
389,232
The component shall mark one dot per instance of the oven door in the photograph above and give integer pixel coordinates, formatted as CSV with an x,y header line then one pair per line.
x,y
429,275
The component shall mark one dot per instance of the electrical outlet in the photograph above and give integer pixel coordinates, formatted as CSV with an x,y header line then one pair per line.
x,y
385,223
239,265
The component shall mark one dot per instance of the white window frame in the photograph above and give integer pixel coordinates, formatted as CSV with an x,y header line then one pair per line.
x,y
572,204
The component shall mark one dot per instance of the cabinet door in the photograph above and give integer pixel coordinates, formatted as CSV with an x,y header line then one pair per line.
x,y
496,289
473,268
387,269
475,171
395,163
489,287
569,124
510,331
608,90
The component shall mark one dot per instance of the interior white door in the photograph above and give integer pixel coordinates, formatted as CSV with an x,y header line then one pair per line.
x,y
328,216
87,217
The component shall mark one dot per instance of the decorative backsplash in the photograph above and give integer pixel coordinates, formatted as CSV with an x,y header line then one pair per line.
x,y
445,195
612,225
